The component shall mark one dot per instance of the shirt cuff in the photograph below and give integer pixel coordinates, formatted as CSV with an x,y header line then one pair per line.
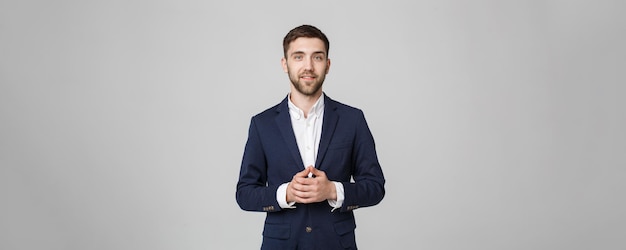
x,y
340,197
281,197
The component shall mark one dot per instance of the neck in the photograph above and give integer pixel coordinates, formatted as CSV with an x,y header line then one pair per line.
x,y
304,102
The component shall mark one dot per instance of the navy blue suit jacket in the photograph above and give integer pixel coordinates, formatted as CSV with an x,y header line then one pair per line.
x,y
271,158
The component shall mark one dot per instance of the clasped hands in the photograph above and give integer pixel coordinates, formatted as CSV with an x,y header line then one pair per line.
x,y
305,189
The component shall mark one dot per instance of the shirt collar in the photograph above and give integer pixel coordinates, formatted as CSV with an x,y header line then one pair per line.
x,y
297,113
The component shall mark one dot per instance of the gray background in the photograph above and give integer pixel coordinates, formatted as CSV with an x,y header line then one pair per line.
x,y
499,124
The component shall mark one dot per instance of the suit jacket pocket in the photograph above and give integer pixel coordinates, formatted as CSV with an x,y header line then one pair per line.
x,y
277,231
345,230
344,227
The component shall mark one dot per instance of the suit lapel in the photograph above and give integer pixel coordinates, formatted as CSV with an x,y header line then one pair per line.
x,y
328,129
283,121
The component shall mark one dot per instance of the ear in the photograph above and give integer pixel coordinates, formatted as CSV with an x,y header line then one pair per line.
x,y
327,65
283,62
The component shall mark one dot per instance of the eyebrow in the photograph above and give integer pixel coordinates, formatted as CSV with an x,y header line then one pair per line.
x,y
302,52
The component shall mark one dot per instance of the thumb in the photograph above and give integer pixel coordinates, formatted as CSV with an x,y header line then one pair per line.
x,y
304,172
309,171
317,172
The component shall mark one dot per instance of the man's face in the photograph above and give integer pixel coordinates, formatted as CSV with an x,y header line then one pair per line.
x,y
307,65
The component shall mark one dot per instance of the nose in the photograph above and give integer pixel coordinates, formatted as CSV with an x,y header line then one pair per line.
x,y
308,64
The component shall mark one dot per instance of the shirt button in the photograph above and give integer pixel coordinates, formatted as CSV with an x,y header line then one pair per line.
x,y
309,229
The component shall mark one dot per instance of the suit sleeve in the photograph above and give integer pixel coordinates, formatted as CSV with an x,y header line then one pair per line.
x,y
368,187
253,193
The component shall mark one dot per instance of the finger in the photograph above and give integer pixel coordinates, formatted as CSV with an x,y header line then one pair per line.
x,y
301,196
299,187
305,181
303,174
318,173
310,168
310,199
306,200
302,180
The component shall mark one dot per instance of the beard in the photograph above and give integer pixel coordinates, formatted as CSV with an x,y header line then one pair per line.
x,y
306,88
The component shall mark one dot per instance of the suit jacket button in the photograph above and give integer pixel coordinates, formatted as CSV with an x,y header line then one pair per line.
x,y
309,229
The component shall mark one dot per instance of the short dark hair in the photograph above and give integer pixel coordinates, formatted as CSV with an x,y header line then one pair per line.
x,y
305,30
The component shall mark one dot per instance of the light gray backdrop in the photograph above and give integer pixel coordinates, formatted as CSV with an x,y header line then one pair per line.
x,y
499,124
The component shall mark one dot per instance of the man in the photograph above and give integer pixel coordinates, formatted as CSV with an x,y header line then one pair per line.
x,y
309,161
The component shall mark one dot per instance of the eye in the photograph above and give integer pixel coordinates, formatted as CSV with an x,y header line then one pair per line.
x,y
297,57
319,58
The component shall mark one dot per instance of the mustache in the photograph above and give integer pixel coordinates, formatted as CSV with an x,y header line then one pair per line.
x,y
308,73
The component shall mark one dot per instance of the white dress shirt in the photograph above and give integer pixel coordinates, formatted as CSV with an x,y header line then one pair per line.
x,y
308,132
